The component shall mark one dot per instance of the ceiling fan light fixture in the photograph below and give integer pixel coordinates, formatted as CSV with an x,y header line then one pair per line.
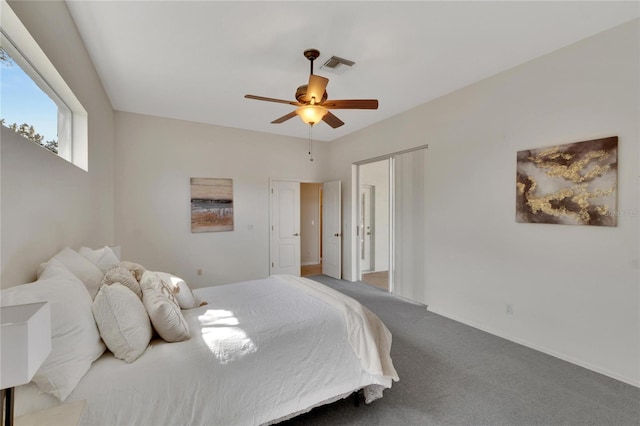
x,y
311,114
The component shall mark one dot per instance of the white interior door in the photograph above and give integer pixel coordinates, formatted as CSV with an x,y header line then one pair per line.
x,y
366,227
332,230
285,227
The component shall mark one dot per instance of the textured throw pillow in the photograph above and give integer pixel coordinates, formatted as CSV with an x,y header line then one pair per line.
x,y
182,292
136,269
103,258
164,313
75,340
123,321
87,272
118,274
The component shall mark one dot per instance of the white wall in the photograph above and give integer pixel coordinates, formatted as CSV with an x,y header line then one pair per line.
x,y
310,223
574,289
377,174
48,203
155,157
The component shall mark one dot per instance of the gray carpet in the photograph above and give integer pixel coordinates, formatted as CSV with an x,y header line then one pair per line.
x,y
453,374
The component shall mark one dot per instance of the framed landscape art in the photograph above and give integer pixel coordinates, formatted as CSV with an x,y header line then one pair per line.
x,y
211,205
572,184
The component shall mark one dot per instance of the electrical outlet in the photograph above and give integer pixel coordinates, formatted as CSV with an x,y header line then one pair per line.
x,y
509,309
198,272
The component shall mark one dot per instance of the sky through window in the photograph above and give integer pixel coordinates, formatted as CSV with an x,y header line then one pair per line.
x,y
22,101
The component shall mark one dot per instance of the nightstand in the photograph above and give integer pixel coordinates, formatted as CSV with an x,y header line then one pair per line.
x,y
61,415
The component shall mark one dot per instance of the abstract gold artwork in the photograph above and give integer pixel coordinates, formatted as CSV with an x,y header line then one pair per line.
x,y
211,205
572,184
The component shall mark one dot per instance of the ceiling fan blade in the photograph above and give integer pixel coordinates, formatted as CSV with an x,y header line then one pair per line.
x,y
284,118
280,101
332,120
351,104
316,88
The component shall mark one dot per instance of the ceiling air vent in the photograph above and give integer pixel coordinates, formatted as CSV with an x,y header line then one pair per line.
x,y
337,65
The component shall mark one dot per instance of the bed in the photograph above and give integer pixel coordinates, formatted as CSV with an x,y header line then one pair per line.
x,y
260,352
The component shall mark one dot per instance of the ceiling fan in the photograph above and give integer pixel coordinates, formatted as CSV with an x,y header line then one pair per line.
x,y
312,102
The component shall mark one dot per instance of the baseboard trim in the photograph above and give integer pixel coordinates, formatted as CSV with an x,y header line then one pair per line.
x,y
538,348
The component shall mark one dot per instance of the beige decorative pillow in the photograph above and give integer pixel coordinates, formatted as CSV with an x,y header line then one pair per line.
x,y
151,280
183,294
123,321
118,274
165,315
136,269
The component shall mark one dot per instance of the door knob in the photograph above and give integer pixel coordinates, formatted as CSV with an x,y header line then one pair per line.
x,y
296,235
336,235
368,233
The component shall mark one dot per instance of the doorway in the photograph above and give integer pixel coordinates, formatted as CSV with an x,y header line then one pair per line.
x,y
310,229
374,223
306,228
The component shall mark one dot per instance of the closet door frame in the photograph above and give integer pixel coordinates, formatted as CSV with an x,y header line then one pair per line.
x,y
356,197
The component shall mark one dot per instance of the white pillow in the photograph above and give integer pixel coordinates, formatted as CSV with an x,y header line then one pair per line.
x,y
123,321
164,313
103,258
87,272
116,251
75,340
181,290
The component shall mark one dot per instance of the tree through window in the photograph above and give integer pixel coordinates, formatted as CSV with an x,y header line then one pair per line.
x,y
25,108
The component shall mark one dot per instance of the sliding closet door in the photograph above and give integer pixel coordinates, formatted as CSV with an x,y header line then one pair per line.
x,y
409,274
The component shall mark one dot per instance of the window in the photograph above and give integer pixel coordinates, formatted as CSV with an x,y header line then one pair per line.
x,y
35,101
29,105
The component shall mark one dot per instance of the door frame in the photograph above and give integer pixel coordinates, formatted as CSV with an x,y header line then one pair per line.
x,y
271,180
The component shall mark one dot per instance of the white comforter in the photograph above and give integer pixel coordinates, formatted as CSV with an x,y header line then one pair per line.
x,y
259,351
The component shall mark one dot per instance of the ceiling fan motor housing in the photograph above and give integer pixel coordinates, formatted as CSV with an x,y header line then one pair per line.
x,y
301,95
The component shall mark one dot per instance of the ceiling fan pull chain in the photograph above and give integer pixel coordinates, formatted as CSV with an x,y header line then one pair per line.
x,y
310,145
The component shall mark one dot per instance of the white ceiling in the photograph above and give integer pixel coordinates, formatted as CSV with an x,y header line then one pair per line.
x,y
196,60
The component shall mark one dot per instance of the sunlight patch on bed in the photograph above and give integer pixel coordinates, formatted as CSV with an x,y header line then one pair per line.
x,y
225,339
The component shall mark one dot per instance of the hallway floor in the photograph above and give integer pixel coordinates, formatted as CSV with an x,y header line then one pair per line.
x,y
310,270
378,279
